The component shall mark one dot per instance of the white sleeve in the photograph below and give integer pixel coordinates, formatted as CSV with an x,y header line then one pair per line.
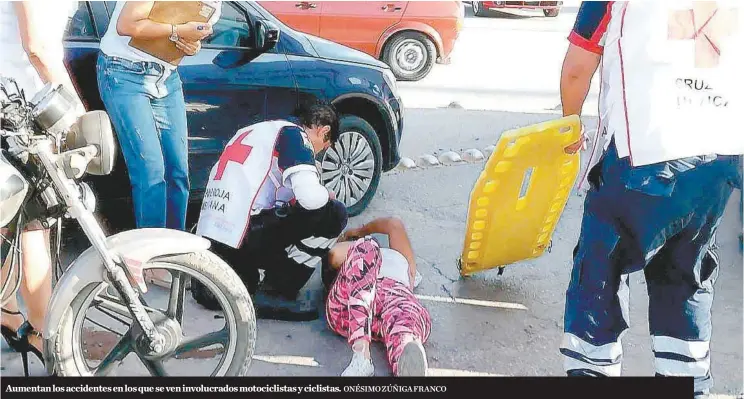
x,y
307,189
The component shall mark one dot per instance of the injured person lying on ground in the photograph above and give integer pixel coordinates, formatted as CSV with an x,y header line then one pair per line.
x,y
265,209
371,298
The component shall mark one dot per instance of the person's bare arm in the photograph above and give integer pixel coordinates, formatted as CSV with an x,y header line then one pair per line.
x,y
133,22
397,236
44,48
579,67
578,70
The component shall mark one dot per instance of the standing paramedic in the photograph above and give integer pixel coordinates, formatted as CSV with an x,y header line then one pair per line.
x,y
265,208
671,101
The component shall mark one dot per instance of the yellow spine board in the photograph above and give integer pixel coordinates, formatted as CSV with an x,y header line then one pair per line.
x,y
520,195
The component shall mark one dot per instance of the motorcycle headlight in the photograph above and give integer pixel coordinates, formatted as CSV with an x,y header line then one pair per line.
x,y
94,128
53,108
13,189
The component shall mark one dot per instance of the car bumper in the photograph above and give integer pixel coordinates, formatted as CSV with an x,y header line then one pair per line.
x,y
525,5
395,107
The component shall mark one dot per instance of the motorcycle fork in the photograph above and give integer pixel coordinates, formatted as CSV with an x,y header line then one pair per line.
x,y
117,269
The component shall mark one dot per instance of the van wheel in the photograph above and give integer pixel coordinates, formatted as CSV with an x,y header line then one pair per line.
x,y
411,55
551,13
353,166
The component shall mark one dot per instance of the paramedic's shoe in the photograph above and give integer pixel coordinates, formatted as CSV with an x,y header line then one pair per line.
x,y
412,362
359,366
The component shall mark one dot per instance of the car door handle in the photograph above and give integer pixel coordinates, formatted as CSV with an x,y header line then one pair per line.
x,y
391,8
306,5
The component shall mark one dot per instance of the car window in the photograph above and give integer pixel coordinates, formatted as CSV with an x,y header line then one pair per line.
x,y
81,24
232,29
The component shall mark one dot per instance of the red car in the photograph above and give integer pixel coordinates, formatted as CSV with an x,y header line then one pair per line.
x,y
484,8
410,36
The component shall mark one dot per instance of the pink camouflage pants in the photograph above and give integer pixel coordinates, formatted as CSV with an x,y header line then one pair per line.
x,y
362,306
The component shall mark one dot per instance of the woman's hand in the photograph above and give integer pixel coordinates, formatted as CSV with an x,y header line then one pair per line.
x,y
188,48
193,31
412,276
579,145
350,234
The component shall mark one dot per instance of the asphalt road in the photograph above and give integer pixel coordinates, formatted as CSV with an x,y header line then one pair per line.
x,y
504,74
515,326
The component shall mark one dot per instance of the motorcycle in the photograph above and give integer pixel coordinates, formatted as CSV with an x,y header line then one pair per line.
x,y
47,152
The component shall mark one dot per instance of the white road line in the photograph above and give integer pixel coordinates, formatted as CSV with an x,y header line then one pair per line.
x,y
290,360
474,302
434,372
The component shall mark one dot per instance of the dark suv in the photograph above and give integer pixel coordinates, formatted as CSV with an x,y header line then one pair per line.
x,y
255,68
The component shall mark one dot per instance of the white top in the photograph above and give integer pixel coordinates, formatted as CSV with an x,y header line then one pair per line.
x,y
14,62
115,45
394,266
668,93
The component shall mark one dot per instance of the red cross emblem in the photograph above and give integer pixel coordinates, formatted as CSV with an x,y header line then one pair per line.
x,y
236,152
707,25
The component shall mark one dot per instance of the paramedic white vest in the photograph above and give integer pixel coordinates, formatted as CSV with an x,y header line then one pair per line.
x,y
241,183
674,81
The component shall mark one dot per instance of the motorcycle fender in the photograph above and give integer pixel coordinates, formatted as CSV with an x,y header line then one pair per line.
x,y
139,246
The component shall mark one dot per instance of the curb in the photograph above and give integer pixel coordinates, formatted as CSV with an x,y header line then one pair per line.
x,y
451,157
446,158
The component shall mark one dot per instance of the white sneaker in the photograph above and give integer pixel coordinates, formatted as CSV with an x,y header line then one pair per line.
x,y
359,366
412,362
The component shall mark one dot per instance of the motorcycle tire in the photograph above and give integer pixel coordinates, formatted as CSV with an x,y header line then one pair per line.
x,y
236,303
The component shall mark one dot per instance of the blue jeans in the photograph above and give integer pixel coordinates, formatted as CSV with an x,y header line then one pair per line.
x,y
661,219
148,112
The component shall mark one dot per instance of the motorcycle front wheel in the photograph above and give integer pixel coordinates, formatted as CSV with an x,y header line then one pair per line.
x,y
88,345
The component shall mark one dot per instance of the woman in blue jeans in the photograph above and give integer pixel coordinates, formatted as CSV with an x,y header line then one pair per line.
x,y
143,96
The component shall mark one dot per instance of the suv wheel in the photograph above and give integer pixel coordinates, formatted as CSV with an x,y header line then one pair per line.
x,y
353,166
411,55
552,12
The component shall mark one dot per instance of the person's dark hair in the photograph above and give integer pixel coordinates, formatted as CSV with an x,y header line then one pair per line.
x,y
314,114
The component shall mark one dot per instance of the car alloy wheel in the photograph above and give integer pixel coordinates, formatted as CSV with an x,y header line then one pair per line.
x,y
348,167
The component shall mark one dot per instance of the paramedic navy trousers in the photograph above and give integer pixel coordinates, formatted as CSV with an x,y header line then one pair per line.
x,y
661,219
286,243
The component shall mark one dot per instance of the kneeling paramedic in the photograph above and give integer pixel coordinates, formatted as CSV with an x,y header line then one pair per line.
x,y
265,207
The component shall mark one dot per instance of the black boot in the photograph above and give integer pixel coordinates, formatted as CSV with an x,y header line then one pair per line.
x,y
298,298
